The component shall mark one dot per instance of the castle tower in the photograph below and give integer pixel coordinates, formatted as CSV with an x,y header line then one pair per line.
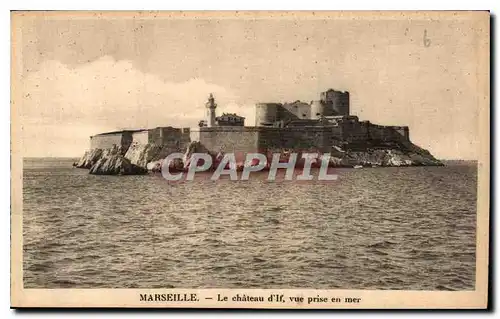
x,y
337,101
211,106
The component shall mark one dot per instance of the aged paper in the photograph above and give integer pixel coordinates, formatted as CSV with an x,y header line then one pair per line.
x,y
250,159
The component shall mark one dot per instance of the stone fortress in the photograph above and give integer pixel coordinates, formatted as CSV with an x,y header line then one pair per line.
x,y
300,126
321,126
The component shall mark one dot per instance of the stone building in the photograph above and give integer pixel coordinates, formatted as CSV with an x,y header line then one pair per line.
x,y
331,103
121,139
318,125
315,126
168,136
230,119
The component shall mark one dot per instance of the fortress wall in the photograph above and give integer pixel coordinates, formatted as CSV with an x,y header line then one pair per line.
x,y
388,133
154,135
267,139
295,138
106,141
165,136
403,131
229,139
334,135
381,133
168,138
270,138
141,137
355,131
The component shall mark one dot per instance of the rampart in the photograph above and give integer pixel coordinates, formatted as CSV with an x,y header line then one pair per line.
x,y
300,138
257,138
169,136
108,140
300,126
267,114
227,138
121,139
166,136
388,133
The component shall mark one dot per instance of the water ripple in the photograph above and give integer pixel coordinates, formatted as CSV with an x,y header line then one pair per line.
x,y
384,228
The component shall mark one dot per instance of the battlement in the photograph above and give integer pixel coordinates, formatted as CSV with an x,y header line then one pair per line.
x,y
295,137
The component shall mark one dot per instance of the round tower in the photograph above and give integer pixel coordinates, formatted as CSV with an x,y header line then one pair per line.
x,y
266,114
211,106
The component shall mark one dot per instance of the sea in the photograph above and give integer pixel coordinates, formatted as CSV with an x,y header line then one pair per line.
x,y
386,228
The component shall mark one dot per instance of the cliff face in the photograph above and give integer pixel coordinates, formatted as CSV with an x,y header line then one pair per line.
x,y
116,165
137,159
138,154
142,154
370,154
92,156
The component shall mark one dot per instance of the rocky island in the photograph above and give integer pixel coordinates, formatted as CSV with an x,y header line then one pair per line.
x,y
322,126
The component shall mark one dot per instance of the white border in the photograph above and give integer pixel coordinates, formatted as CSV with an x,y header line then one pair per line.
x,y
492,5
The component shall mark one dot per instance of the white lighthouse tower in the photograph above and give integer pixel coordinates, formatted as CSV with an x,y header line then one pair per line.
x,y
211,106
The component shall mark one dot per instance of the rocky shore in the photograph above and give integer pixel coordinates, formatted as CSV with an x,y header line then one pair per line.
x,y
139,159
383,154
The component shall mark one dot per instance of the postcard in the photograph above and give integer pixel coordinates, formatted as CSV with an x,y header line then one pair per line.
x,y
250,159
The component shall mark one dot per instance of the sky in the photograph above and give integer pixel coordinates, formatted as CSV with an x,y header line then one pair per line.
x,y
92,73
